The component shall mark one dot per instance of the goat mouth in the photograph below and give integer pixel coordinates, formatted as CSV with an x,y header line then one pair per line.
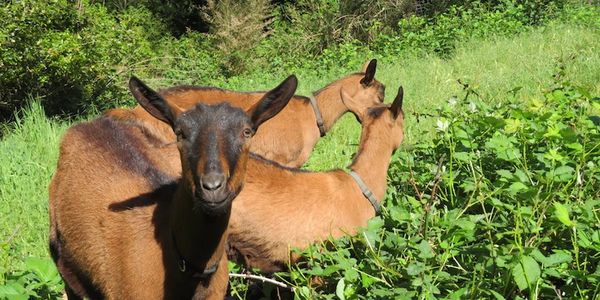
x,y
213,202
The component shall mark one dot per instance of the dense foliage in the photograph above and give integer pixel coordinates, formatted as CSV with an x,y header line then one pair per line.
x,y
503,203
77,55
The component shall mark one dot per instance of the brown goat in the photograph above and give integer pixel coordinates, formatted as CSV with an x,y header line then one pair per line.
x,y
277,140
282,208
126,224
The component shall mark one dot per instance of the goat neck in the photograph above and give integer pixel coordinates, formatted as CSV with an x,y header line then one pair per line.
x,y
198,238
373,159
330,104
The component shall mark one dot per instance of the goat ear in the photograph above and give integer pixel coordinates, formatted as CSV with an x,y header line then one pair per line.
x,y
396,106
365,66
273,101
152,102
369,72
356,107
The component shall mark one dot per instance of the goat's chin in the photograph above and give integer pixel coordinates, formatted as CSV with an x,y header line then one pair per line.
x,y
214,207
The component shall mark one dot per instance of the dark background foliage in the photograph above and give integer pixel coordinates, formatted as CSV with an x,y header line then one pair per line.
x,y
77,55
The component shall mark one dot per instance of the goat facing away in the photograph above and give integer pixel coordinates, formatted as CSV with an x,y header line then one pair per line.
x,y
277,140
282,208
125,224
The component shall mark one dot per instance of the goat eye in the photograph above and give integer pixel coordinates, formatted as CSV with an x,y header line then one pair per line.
x,y
247,133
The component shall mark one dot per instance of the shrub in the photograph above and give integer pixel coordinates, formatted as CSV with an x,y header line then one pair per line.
x,y
238,27
26,28
78,56
503,203
39,280
73,56
417,34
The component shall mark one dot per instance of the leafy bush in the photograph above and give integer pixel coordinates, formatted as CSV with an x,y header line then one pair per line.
x,y
78,55
73,56
503,203
417,34
39,280
325,30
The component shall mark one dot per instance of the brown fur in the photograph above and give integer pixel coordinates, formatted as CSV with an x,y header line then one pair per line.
x,y
280,208
289,137
120,221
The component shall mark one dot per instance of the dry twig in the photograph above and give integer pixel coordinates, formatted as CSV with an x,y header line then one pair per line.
x,y
263,279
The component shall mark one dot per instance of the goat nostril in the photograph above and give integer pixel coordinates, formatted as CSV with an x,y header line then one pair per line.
x,y
212,182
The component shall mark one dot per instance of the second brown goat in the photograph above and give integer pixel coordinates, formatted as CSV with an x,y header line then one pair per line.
x,y
287,138
282,208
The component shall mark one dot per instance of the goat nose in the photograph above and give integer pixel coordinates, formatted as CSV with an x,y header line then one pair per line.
x,y
212,181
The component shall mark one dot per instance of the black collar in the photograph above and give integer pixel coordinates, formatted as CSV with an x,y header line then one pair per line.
x,y
189,269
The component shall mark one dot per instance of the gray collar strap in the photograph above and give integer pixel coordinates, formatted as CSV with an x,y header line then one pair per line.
x,y
366,192
313,103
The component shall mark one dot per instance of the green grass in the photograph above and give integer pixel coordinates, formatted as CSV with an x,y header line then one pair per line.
x,y
493,67
28,153
29,148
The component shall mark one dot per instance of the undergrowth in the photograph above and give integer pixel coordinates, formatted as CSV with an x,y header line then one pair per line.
x,y
503,203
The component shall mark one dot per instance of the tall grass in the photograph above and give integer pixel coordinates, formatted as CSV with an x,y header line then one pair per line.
x,y
28,154
527,61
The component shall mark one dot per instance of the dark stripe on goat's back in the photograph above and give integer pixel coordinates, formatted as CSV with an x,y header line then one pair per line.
x,y
156,141
305,100
126,148
276,164
186,88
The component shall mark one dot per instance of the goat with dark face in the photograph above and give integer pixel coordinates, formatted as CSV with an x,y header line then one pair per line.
x,y
125,225
207,169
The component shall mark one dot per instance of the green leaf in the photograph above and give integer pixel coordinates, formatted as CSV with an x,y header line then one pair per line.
x,y
44,269
303,293
505,174
463,156
562,174
399,213
497,295
458,294
425,248
522,176
575,146
554,155
339,289
562,214
13,291
526,272
558,258
366,280
351,275
584,240
465,224
516,187
415,269
537,255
